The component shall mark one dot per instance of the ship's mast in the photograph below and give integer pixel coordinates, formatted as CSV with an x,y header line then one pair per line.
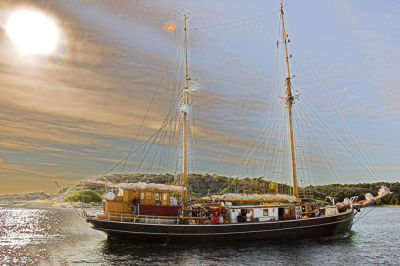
x,y
289,103
185,102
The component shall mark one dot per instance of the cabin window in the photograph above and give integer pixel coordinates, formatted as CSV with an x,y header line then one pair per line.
x,y
286,211
148,195
142,195
158,196
265,212
165,196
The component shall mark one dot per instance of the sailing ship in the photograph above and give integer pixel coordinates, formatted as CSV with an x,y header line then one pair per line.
x,y
159,218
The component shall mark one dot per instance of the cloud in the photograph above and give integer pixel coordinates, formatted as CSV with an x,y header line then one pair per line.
x,y
47,163
86,108
22,169
381,57
52,108
25,146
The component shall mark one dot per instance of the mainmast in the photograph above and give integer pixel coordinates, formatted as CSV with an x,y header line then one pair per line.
x,y
184,111
289,103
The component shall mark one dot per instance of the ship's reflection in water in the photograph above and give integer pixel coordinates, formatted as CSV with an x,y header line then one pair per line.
x,y
58,236
259,252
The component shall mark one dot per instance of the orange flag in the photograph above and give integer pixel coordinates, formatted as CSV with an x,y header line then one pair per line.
x,y
170,26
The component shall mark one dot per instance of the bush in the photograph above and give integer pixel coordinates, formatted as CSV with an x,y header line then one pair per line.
x,y
225,190
85,196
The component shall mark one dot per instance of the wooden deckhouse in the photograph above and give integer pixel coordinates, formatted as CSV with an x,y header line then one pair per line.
x,y
155,199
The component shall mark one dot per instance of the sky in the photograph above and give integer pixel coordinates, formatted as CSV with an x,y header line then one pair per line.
x,y
76,112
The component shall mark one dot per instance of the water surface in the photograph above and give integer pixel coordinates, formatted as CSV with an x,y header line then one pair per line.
x,y
59,236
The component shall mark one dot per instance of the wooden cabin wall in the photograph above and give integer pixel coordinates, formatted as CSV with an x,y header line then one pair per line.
x,y
154,197
286,213
129,195
122,204
116,206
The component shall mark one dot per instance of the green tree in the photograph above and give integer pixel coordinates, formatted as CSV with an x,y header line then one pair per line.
x,y
85,196
271,186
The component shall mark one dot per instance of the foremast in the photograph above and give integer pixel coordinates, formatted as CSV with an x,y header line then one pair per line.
x,y
185,122
289,102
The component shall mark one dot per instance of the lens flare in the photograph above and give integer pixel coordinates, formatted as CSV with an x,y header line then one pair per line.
x,y
33,32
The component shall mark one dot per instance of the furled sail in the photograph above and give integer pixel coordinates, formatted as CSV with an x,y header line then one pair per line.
x,y
249,197
138,186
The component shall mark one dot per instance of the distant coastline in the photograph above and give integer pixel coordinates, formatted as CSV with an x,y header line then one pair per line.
x,y
203,184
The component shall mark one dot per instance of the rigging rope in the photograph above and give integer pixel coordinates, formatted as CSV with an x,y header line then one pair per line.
x,y
244,105
235,21
338,140
338,111
158,139
363,214
132,152
150,104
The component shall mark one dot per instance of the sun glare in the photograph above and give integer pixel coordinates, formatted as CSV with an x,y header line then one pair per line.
x,y
33,32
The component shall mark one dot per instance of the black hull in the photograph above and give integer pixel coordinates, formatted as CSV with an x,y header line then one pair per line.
x,y
318,227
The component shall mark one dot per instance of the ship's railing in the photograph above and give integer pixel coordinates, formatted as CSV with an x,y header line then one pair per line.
x,y
123,217
156,219
93,212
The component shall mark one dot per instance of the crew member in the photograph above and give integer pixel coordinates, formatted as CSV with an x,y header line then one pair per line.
x,y
221,218
173,201
136,203
215,219
248,216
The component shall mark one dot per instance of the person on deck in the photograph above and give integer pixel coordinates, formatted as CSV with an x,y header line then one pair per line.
x,y
136,203
239,218
248,216
215,219
221,218
173,201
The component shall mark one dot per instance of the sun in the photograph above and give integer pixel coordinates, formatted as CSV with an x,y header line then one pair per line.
x,y
33,32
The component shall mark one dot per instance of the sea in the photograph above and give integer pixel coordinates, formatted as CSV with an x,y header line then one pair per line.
x,y
57,236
